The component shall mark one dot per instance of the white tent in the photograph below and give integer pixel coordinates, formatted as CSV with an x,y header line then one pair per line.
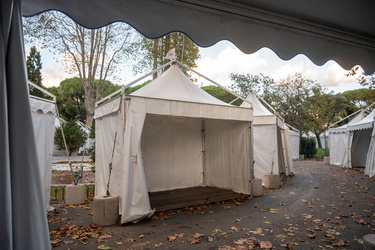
x,y
294,143
170,135
338,139
272,153
43,118
358,144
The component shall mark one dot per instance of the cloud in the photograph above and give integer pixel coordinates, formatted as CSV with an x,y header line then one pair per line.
x,y
53,74
227,61
333,75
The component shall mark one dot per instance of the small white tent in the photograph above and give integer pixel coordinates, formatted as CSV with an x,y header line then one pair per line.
x,y
338,139
358,145
43,118
168,135
272,153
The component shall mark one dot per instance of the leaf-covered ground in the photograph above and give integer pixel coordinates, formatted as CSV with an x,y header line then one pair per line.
x,y
321,207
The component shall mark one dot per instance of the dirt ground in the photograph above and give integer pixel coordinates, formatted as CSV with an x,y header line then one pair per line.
x,y
320,207
66,177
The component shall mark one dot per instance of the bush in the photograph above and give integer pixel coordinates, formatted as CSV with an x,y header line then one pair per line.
x,y
75,137
308,147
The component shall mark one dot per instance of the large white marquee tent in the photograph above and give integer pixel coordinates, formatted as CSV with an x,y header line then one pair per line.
x,y
319,29
338,138
170,135
272,151
360,146
43,117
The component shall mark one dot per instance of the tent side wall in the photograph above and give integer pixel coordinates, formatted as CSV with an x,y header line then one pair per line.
x,y
294,144
105,130
265,150
360,145
370,159
43,118
338,142
172,152
227,155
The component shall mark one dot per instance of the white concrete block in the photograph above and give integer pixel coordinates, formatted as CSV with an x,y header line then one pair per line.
x,y
106,210
256,188
75,194
271,181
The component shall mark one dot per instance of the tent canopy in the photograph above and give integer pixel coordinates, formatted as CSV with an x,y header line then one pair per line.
x,y
365,123
338,30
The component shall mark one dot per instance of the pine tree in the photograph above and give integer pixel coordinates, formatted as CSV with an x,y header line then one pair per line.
x,y
34,67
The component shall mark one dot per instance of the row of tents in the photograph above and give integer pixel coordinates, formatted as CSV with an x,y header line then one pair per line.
x,y
353,144
171,134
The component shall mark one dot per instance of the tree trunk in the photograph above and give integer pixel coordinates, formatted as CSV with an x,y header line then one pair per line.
x,y
155,56
89,105
318,140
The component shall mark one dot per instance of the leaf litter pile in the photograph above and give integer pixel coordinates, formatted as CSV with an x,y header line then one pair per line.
x,y
321,207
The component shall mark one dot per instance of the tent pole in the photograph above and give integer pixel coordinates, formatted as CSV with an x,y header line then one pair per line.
x,y
43,90
347,117
130,84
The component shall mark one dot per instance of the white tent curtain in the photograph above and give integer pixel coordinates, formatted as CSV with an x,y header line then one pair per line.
x,y
294,143
370,159
43,117
23,221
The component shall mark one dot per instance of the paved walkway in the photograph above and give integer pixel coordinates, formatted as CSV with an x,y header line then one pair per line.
x,y
321,207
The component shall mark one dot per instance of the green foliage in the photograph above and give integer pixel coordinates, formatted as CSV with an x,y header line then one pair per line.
x,y
362,77
322,110
90,53
136,87
243,84
221,94
75,136
70,97
34,74
153,51
358,99
307,147
321,152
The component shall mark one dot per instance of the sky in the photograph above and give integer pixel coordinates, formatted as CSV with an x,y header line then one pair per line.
x,y
223,58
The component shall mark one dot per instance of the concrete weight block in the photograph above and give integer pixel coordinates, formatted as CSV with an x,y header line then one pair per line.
x,y
106,210
271,181
75,194
256,187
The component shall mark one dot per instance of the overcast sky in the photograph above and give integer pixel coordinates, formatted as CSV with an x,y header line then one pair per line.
x,y
218,61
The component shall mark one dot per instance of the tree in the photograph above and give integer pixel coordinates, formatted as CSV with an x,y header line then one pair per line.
x,y
359,99
363,78
322,109
92,54
221,94
153,52
34,74
244,83
75,137
70,97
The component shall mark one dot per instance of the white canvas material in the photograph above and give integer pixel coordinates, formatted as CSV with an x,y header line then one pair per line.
x,y
272,150
338,140
164,143
43,118
294,144
359,142
370,159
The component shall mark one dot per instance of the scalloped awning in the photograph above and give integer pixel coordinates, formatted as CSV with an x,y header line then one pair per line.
x,y
322,30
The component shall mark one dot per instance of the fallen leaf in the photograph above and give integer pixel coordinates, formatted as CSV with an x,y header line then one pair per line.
x,y
197,235
119,243
210,239
141,236
265,245
103,247
171,238
194,240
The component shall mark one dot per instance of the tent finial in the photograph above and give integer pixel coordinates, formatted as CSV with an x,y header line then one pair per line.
x,y
171,55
